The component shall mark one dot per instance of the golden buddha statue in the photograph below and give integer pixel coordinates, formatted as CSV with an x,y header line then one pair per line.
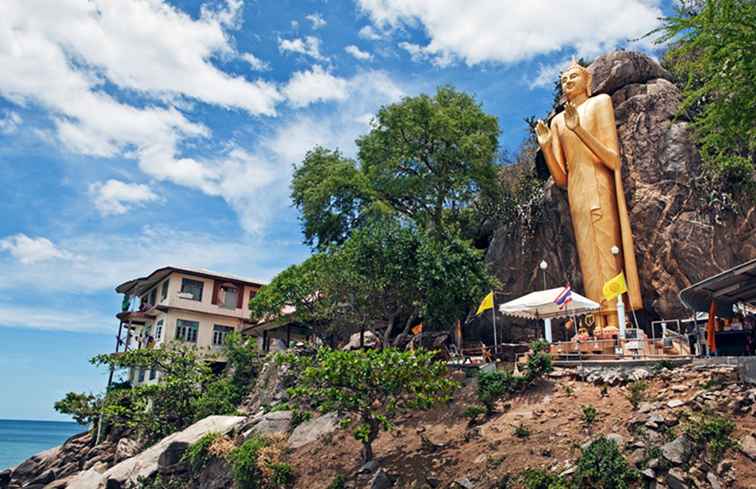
x,y
581,149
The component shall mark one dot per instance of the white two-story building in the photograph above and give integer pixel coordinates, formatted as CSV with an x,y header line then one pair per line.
x,y
192,306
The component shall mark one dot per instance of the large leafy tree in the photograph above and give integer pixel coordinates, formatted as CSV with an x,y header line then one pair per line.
x,y
385,274
371,387
712,46
429,159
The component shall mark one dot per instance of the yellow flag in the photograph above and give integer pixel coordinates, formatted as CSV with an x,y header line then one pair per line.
x,y
486,304
615,287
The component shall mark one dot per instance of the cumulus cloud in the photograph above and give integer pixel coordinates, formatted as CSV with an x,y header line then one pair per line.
x,y
369,33
30,250
358,53
254,62
510,31
548,74
9,123
315,85
115,197
47,318
317,20
309,46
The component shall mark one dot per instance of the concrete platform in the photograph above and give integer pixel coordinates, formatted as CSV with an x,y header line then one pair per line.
x,y
746,365
624,363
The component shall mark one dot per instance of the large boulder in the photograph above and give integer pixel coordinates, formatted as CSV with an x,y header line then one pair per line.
x,y
313,429
268,424
146,463
678,240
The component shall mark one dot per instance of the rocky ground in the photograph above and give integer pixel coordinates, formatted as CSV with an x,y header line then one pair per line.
x,y
441,449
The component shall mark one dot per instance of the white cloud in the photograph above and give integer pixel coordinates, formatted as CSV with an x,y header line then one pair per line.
x,y
254,62
317,20
309,46
315,85
358,53
548,74
115,197
9,123
510,30
369,33
46,318
30,250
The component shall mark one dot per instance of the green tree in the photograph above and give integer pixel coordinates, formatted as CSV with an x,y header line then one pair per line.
x,y
372,387
712,46
384,274
431,160
83,408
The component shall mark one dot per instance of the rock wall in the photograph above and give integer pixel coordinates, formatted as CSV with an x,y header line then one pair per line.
x,y
677,243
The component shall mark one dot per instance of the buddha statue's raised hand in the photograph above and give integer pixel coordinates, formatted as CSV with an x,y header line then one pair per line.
x,y
571,117
543,133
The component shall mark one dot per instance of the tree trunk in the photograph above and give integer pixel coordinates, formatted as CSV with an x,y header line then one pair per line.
x,y
367,452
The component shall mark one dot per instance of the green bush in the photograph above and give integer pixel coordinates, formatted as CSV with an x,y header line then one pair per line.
x,y
281,476
243,461
221,396
339,482
588,415
493,385
473,411
299,416
540,479
197,455
636,393
602,466
521,431
711,433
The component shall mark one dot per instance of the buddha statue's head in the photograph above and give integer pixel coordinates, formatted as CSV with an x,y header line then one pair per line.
x,y
576,80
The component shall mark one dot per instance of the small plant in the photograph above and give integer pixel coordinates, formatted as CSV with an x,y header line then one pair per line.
x,y
711,433
521,431
474,411
243,461
197,455
602,465
339,482
159,483
589,416
493,385
662,365
637,393
298,416
281,475
713,384
540,479
568,390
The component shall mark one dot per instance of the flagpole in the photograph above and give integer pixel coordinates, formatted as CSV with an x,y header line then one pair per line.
x,y
493,315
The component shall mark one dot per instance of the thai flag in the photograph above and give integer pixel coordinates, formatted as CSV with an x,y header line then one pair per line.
x,y
564,297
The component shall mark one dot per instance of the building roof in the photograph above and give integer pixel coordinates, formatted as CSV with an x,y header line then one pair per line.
x,y
139,285
733,286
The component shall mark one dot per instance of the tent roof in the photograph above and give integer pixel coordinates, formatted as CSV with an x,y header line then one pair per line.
x,y
540,305
738,284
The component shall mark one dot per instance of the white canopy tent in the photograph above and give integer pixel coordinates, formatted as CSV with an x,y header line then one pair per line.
x,y
540,305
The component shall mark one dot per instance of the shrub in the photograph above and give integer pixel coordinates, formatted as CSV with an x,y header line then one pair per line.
x,y
371,386
281,476
339,482
198,455
711,433
589,415
602,466
83,408
521,431
243,462
636,393
299,416
540,479
474,411
494,385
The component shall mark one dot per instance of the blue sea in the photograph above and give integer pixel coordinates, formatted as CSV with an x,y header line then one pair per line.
x,y
20,440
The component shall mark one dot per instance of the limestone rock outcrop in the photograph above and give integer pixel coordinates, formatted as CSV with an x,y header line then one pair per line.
x,y
677,241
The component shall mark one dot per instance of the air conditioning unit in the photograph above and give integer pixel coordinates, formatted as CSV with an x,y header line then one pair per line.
x,y
185,295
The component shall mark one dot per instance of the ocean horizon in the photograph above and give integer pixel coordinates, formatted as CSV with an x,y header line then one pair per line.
x,y
20,439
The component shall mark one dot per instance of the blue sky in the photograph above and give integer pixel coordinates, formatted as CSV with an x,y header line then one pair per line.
x,y
138,134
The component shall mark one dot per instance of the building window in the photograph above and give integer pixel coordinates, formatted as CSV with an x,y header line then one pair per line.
x,y
164,290
159,331
153,373
153,297
192,289
229,296
141,375
220,333
187,330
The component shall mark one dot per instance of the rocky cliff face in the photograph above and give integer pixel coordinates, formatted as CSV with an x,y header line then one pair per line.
x,y
678,242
